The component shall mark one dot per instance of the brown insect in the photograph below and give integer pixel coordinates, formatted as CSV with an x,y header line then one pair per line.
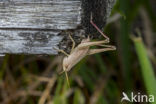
x,y
83,49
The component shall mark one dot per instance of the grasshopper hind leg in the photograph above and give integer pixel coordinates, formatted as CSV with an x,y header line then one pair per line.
x,y
107,48
97,28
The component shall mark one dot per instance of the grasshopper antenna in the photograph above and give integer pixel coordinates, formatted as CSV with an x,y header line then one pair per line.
x,y
67,78
66,74
91,21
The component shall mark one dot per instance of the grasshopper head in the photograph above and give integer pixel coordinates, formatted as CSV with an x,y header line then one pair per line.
x,y
66,65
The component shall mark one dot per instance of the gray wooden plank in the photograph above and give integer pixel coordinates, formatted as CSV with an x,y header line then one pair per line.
x,y
45,14
29,42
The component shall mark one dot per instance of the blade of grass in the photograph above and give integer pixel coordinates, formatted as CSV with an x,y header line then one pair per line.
x,y
125,44
100,63
86,78
57,99
78,97
59,86
102,100
146,67
112,91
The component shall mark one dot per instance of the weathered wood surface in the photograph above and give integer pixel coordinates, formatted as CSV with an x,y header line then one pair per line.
x,y
32,26
35,26
44,14
29,42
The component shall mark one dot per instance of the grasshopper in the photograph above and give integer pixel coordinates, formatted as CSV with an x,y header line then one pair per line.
x,y
83,49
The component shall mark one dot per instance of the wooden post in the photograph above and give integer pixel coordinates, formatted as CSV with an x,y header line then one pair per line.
x,y
37,26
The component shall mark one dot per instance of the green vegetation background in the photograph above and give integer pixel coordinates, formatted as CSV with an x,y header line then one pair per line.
x,y
97,79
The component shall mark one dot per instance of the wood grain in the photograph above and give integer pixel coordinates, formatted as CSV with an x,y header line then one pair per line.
x,y
44,14
29,42
32,26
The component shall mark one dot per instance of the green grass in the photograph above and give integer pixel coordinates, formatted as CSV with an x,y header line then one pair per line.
x,y
146,67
